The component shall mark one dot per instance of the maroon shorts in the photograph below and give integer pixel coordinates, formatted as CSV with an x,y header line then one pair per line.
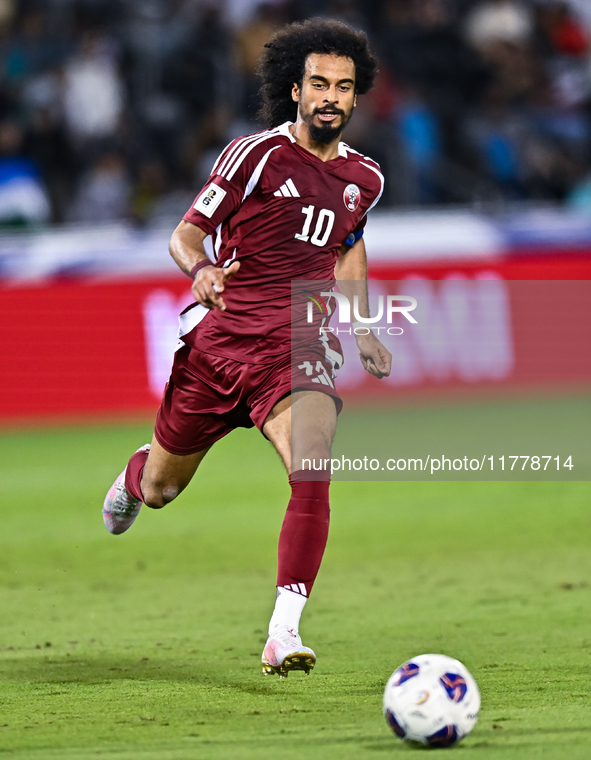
x,y
208,396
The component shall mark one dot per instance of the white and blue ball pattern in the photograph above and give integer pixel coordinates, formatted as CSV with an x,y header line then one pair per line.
x,y
432,699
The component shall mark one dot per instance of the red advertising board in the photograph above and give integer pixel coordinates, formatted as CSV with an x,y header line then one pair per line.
x,y
77,347
90,348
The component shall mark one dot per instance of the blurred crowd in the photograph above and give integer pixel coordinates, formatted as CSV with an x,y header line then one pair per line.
x,y
116,109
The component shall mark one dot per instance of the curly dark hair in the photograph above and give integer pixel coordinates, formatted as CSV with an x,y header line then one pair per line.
x,y
284,57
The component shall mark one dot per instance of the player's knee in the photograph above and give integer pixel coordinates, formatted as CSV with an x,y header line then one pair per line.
x,y
156,496
169,493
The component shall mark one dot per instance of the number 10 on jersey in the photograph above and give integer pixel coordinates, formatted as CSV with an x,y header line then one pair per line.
x,y
324,225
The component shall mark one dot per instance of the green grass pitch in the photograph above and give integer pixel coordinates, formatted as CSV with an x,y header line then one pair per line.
x,y
147,646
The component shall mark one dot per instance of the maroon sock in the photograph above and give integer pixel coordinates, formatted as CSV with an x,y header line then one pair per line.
x,y
133,475
304,532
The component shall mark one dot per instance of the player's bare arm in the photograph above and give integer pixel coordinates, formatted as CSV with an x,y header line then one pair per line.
x,y
187,249
351,276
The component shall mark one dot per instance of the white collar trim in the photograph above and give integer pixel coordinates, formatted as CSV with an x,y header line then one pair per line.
x,y
284,130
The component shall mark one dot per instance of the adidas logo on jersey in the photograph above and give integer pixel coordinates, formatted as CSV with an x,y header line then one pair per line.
x,y
288,190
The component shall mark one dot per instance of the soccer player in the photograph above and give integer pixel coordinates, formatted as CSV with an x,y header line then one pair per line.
x,y
285,204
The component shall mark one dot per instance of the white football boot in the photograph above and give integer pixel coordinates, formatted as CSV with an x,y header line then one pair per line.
x,y
284,652
120,508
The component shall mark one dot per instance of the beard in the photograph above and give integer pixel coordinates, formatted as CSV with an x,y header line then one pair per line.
x,y
326,133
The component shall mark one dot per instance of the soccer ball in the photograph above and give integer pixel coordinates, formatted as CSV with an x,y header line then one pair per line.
x,y
431,699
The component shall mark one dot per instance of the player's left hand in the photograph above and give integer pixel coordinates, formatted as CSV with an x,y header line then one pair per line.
x,y
375,357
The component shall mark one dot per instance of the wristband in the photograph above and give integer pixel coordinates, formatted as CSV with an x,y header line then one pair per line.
x,y
200,265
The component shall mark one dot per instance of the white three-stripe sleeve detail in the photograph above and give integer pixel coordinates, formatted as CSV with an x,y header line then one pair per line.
x,y
252,182
256,175
381,176
240,143
237,155
285,191
302,589
292,187
244,154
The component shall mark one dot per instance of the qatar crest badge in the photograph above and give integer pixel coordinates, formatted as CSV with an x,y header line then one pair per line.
x,y
352,196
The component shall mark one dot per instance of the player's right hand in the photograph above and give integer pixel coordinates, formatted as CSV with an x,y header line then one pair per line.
x,y
210,282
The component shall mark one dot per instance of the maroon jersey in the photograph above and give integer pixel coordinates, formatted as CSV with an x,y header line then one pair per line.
x,y
284,215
